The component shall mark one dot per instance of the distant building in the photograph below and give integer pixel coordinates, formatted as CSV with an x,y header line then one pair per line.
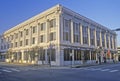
x,y
58,36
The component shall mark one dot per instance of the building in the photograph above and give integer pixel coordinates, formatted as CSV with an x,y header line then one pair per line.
x,y
118,52
58,36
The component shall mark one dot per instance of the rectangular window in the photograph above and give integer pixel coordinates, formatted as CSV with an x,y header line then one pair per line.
x,y
52,36
12,37
42,38
20,43
76,32
42,26
67,30
34,29
16,44
33,40
8,46
11,45
1,40
42,54
85,34
52,23
67,53
98,37
53,55
21,34
26,42
27,31
16,35
103,39
107,40
92,36
77,55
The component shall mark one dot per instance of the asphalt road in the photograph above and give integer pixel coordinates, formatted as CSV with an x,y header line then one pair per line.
x,y
109,72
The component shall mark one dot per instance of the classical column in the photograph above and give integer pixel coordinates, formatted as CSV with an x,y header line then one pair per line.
x,y
100,38
22,56
95,37
47,31
81,34
38,32
24,33
30,36
72,33
105,40
89,35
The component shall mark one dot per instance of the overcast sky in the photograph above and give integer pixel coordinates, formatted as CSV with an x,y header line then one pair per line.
x,y
104,12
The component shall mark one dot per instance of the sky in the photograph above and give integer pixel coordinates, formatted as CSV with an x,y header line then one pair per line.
x,y
104,12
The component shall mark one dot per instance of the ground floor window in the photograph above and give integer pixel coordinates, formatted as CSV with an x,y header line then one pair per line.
x,y
67,53
77,55
42,55
51,54
93,55
86,55
26,55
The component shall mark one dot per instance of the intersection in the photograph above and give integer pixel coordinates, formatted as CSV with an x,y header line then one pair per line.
x,y
110,72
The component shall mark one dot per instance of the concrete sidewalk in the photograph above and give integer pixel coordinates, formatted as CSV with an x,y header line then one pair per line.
x,y
51,67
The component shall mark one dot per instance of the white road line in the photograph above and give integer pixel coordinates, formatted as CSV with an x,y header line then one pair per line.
x,y
15,70
114,71
105,70
7,71
97,69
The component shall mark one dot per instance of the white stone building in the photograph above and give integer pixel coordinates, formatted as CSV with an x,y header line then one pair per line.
x,y
57,36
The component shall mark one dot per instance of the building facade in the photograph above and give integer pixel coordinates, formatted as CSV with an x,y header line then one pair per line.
x,y
58,36
118,52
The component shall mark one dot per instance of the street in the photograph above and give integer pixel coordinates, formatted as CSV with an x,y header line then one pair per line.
x,y
109,72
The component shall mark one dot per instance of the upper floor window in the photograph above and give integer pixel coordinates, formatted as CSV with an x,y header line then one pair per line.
x,y
27,31
85,34
34,29
21,43
76,28
11,37
8,46
92,36
33,40
42,38
67,25
26,42
1,47
16,35
1,40
11,45
16,44
21,34
52,23
52,36
42,26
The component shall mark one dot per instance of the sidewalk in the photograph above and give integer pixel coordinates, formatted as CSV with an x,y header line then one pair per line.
x,y
95,64
51,67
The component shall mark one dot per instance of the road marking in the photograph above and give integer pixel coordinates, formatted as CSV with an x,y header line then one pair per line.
x,y
15,70
97,69
7,71
105,69
114,71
